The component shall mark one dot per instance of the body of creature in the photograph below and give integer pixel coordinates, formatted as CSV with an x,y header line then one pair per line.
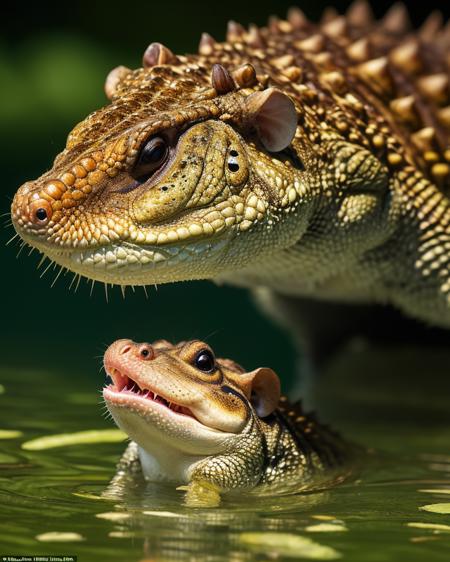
x,y
310,160
207,424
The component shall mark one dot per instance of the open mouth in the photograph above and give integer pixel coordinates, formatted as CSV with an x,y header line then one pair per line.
x,y
124,385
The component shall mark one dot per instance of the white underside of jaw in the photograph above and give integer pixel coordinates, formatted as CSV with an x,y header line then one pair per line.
x,y
128,263
132,256
147,422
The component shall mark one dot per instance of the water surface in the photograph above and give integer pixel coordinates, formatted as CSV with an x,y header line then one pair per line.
x,y
396,402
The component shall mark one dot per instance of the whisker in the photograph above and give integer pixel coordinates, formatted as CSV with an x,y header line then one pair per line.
x,y
22,246
92,287
11,239
210,335
75,275
156,286
123,289
41,261
46,269
106,291
78,283
57,276
145,291
31,251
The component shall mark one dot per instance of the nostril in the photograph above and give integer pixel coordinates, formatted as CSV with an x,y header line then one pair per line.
x,y
145,351
125,349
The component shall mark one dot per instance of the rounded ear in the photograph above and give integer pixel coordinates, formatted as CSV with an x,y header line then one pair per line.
x,y
264,387
274,116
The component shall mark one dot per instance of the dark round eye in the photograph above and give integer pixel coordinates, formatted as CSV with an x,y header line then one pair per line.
x,y
146,351
152,156
204,361
41,214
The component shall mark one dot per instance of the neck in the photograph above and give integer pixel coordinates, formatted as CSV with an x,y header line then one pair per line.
x,y
170,465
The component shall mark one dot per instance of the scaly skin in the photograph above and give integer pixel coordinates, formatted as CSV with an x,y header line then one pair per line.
x,y
207,423
314,161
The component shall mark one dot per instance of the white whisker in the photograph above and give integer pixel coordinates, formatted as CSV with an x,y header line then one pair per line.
x,y
41,261
57,276
11,239
92,287
46,269
22,246
75,275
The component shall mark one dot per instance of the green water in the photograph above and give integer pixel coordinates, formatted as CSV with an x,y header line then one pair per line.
x,y
394,401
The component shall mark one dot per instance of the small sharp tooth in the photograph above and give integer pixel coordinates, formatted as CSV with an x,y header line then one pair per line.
x,y
155,397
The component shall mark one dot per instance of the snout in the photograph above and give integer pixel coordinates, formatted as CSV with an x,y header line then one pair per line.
x,y
30,211
125,350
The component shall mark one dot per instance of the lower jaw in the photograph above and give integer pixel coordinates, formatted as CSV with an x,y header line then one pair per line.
x,y
129,264
146,428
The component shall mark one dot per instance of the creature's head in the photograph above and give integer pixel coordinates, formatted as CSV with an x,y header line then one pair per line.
x,y
185,159
182,397
198,169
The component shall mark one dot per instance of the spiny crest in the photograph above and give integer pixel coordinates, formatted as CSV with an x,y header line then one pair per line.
x,y
381,85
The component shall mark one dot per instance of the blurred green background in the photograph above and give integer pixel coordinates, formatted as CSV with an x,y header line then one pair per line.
x,y
53,62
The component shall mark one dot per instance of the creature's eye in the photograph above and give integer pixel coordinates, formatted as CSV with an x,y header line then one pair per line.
x,y
204,361
152,156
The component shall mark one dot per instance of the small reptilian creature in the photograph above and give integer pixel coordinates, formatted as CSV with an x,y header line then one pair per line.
x,y
209,425
309,159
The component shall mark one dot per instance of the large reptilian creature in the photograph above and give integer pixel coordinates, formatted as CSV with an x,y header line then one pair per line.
x,y
309,159
208,424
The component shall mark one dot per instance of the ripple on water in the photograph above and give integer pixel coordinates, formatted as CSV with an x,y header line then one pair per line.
x,y
57,492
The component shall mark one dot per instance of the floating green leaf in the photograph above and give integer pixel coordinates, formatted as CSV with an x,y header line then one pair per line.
x,y
121,534
436,490
56,536
90,437
164,514
113,515
443,508
285,544
431,526
326,528
10,433
88,496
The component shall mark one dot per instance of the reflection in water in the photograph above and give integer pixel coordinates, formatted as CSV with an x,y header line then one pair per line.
x,y
386,400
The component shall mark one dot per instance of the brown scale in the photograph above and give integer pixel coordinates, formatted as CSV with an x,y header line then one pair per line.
x,y
312,435
382,85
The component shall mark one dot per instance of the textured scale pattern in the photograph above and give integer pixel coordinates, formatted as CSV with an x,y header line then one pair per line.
x,y
168,403
341,131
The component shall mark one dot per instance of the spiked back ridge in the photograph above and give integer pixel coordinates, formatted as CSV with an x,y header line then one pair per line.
x,y
387,87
